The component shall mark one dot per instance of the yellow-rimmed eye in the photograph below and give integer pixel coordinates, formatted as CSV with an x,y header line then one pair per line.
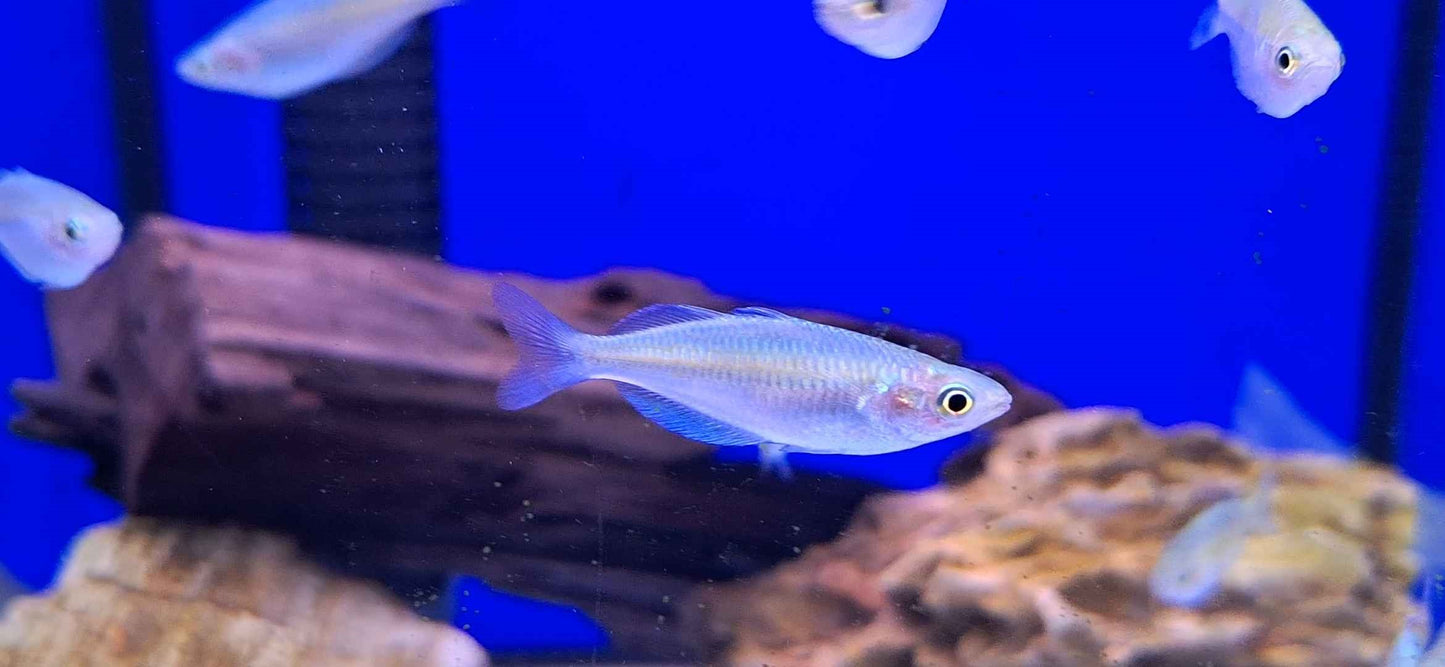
x,y
954,401
1286,61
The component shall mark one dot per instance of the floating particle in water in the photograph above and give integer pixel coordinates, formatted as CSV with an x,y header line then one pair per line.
x,y
1257,258
887,310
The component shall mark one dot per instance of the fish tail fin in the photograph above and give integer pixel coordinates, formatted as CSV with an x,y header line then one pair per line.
x,y
549,361
1267,417
1208,27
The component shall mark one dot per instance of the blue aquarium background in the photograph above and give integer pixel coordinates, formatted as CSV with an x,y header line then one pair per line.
x,y
1064,186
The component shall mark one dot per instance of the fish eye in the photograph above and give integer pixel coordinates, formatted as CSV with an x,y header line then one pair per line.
x,y
871,9
75,229
1286,61
954,401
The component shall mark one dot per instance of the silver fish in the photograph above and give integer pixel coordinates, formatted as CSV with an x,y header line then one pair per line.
x,y
1192,566
880,28
752,377
1284,56
53,234
279,49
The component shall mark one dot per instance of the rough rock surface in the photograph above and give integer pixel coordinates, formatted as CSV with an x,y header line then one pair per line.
x,y
148,593
1043,559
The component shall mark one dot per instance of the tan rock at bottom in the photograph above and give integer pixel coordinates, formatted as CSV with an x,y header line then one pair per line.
x,y
1043,559
149,593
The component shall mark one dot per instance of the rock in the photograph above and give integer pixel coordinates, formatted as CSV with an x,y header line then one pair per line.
x,y
1043,559
155,594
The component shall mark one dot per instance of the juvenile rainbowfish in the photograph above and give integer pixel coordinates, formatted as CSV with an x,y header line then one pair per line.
x,y
278,49
880,28
752,377
53,234
1284,56
1272,420
1193,563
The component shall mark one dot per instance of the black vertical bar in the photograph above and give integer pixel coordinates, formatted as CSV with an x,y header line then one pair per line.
x,y
1397,226
362,155
137,115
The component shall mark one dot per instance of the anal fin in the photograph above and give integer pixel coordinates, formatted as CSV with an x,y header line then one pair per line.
x,y
685,421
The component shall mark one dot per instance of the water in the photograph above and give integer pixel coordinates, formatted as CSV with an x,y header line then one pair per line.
x,y
1065,188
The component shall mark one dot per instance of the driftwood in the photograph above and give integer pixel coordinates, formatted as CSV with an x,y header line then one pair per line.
x,y
346,396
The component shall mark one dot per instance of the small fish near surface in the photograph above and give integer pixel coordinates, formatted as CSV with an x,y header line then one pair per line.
x,y
880,28
53,234
278,49
752,377
1284,56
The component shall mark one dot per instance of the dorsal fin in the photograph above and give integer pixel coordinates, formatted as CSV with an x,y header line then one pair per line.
x,y
661,315
685,421
759,311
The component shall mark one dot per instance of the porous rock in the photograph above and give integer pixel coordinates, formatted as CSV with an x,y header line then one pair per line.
x,y
1043,559
155,594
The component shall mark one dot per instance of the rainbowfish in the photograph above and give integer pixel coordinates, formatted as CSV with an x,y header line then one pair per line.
x,y
53,234
279,49
1192,566
880,28
1269,418
751,377
1284,56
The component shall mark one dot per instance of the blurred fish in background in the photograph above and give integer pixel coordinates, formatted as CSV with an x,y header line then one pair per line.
x,y
1192,565
53,234
880,28
279,49
1284,56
